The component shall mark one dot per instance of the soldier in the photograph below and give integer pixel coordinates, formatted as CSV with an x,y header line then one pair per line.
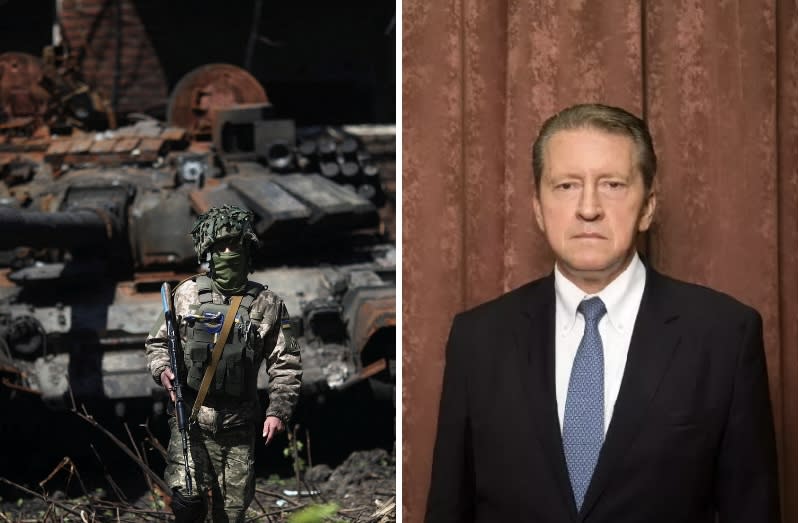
x,y
222,440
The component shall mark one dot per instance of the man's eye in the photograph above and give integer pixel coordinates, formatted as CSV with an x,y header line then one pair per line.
x,y
615,185
565,186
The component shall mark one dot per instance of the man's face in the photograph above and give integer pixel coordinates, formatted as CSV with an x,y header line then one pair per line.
x,y
591,203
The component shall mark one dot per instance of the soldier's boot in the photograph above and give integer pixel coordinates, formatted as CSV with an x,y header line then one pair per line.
x,y
188,509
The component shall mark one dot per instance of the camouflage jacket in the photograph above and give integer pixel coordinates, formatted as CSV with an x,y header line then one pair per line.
x,y
274,343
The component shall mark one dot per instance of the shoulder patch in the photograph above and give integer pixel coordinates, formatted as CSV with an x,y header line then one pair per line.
x,y
285,319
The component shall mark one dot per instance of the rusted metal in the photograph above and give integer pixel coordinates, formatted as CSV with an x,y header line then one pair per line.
x,y
174,134
51,92
57,150
20,91
102,146
199,201
16,123
151,147
11,370
11,385
80,145
23,126
128,148
126,145
203,91
375,309
365,373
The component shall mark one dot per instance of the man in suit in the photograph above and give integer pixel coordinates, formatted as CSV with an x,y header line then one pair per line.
x,y
605,392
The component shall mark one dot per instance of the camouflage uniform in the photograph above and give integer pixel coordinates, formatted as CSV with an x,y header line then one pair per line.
x,y
222,442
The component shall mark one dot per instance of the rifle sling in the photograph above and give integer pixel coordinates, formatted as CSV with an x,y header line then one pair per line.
x,y
216,356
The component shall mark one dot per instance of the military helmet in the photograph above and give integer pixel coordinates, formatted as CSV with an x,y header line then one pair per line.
x,y
219,223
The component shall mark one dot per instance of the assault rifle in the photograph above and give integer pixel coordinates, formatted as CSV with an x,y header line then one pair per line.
x,y
174,349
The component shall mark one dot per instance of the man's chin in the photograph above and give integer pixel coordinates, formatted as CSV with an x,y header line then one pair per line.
x,y
590,268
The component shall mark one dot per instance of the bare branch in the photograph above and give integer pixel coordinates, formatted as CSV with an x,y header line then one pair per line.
x,y
60,505
147,470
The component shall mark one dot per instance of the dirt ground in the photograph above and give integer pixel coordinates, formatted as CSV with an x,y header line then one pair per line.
x,y
361,489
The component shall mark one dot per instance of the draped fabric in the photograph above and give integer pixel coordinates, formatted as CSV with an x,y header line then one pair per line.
x,y
718,84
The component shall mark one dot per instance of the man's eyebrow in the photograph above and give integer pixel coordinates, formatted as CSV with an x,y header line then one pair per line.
x,y
605,174
563,175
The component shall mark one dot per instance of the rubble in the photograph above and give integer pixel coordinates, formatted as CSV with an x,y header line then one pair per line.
x,y
361,489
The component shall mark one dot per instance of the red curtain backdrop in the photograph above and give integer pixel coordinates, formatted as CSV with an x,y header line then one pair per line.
x,y
718,83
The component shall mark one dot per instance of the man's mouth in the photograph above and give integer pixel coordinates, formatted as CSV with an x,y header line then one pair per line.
x,y
590,235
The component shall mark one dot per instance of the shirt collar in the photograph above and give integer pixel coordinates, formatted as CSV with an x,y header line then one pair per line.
x,y
621,309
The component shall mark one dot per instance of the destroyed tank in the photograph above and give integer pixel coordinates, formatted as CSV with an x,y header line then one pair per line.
x,y
92,222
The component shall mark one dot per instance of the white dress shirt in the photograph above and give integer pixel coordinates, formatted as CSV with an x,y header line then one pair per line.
x,y
622,299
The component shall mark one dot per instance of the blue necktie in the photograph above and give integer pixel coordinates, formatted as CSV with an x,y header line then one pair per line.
x,y
583,426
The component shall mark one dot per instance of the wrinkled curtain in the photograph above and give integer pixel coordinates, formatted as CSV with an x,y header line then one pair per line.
x,y
718,84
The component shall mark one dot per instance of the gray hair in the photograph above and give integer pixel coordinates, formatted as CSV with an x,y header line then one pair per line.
x,y
605,118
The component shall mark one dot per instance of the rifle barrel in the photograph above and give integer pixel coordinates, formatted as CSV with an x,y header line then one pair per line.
x,y
180,410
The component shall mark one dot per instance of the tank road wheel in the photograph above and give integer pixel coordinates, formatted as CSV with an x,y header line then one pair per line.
x,y
207,89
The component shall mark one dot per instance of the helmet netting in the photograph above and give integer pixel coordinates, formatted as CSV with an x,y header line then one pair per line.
x,y
220,223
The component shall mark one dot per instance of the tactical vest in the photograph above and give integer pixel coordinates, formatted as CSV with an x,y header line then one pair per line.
x,y
236,372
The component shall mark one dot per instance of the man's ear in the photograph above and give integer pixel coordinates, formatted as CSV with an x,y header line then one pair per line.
x,y
647,213
538,211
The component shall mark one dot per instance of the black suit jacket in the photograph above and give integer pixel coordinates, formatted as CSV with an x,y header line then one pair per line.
x,y
691,434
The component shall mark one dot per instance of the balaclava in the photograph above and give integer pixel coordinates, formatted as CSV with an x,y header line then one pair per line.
x,y
228,270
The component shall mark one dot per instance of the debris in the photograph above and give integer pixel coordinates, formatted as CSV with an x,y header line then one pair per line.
x,y
318,473
148,472
364,480
294,493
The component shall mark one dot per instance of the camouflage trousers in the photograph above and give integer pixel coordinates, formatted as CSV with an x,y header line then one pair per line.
x,y
222,462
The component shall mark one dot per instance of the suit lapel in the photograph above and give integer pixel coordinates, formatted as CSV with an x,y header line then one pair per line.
x,y
654,339
534,337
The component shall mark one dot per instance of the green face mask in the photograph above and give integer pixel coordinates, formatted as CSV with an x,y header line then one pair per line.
x,y
230,271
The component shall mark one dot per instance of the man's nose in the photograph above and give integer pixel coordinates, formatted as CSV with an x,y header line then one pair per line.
x,y
589,208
